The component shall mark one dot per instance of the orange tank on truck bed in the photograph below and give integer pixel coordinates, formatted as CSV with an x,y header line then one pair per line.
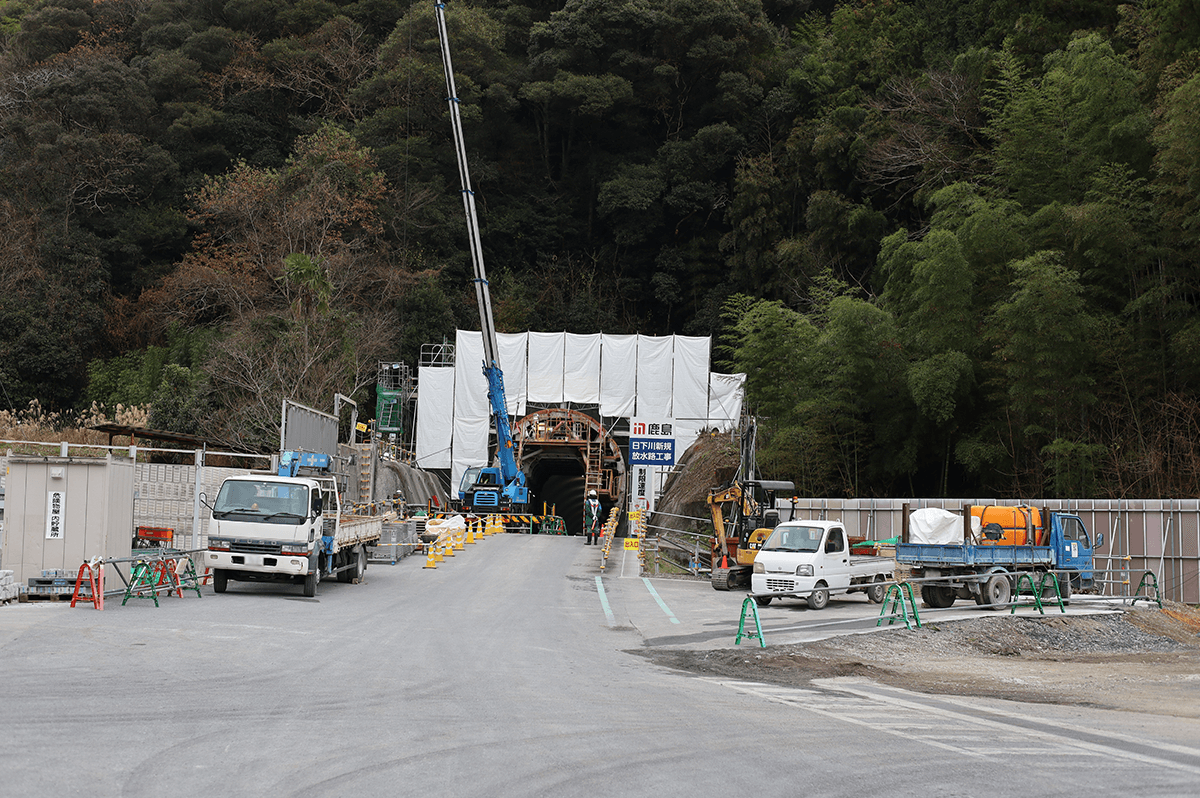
x,y
1009,526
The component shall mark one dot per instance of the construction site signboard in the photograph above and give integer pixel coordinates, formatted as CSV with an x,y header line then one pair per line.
x,y
652,442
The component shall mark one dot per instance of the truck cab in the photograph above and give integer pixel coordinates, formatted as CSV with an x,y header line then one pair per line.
x,y
268,527
1073,546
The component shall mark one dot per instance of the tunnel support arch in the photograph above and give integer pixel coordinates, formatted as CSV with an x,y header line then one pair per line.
x,y
560,433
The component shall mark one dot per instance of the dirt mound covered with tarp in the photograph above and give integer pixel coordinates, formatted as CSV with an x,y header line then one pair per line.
x,y
709,463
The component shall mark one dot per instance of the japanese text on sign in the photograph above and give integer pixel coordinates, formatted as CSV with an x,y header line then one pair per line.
x,y
652,452
54,514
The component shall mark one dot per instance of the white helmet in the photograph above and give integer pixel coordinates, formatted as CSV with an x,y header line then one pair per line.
x,y
592,494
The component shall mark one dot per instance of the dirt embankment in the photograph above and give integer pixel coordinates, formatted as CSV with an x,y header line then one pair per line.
x,y
1145,660
708,463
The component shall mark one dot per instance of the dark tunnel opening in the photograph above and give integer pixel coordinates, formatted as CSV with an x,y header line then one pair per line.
x,y
562,494
556,485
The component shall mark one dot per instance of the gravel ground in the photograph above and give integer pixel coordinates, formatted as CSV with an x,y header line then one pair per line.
x,y
1143,660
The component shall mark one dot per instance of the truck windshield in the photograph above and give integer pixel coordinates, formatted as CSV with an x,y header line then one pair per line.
x,y
468,479
261,500
794,538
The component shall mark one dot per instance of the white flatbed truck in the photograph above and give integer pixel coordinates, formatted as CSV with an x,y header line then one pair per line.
x,y
812,560
271,528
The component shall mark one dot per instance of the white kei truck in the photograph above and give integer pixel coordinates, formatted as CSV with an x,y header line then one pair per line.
x,y
272,528
813,560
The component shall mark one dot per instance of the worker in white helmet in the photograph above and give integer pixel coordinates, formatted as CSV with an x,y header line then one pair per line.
x,y
591,519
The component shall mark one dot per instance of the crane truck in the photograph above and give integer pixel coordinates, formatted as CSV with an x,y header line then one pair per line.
x,y
482,489
287,527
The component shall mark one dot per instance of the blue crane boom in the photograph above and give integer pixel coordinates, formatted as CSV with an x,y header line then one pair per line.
x,y
483,488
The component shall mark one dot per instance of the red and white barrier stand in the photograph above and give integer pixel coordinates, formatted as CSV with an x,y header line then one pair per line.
x,y
94,569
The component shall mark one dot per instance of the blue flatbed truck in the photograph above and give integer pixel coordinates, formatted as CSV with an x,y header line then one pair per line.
x,y
987,572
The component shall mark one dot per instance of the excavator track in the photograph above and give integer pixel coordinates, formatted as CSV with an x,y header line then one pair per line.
x,y
730,578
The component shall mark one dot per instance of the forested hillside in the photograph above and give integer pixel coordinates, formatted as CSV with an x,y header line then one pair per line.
x,y
953,244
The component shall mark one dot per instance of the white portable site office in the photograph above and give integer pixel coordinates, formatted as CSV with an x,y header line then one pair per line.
x,y
64,510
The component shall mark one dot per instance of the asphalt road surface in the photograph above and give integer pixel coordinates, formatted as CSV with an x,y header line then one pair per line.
x,y
511,670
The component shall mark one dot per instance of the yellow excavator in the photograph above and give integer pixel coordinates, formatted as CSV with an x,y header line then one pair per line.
x,y
740,526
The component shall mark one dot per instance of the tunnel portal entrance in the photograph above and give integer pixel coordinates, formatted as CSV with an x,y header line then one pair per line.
x,y
566,453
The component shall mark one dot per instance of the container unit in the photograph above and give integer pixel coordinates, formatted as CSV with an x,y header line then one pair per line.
x,y
62,511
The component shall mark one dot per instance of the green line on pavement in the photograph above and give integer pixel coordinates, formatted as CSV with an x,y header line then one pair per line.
x,y
608,613
661,603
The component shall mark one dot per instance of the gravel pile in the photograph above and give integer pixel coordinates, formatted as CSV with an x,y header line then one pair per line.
x,y
1002,636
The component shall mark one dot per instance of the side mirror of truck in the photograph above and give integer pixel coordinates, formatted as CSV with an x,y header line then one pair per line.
x,y
1099,540
317,505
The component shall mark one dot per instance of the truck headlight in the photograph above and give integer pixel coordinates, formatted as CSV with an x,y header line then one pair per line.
x,y
758,568
294,548
804,570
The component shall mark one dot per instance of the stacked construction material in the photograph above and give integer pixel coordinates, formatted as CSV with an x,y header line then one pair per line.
x,y
9,590
54,583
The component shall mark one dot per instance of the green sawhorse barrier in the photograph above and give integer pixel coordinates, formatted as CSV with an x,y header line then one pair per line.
x,y
751,607
897,602
143,580
1156,598
150,576
1037,592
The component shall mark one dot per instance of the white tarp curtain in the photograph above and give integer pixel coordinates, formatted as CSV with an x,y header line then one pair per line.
x,y
687,430
435,419
545,375
618,375
512,362
725,399
689,393
654,374
581,369
472,413
664,377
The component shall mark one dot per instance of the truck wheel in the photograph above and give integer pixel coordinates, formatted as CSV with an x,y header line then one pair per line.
x,y
819,598
762,601
311,581
220,580
340,561
938,597
360,565
996,592
875,591
1064,587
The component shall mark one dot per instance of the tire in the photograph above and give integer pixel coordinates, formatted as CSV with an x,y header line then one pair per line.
x,y
220,580
1065,587
310,583
875,592
996,592
360,566
819,598
762,601
939,597
340,561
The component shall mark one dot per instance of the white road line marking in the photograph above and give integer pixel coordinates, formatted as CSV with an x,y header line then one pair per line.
x,y
972,736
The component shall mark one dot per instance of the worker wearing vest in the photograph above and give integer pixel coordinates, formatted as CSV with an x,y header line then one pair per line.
x,y
591,519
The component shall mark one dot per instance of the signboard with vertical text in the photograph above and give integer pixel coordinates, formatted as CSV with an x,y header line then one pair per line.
x,y
55,505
